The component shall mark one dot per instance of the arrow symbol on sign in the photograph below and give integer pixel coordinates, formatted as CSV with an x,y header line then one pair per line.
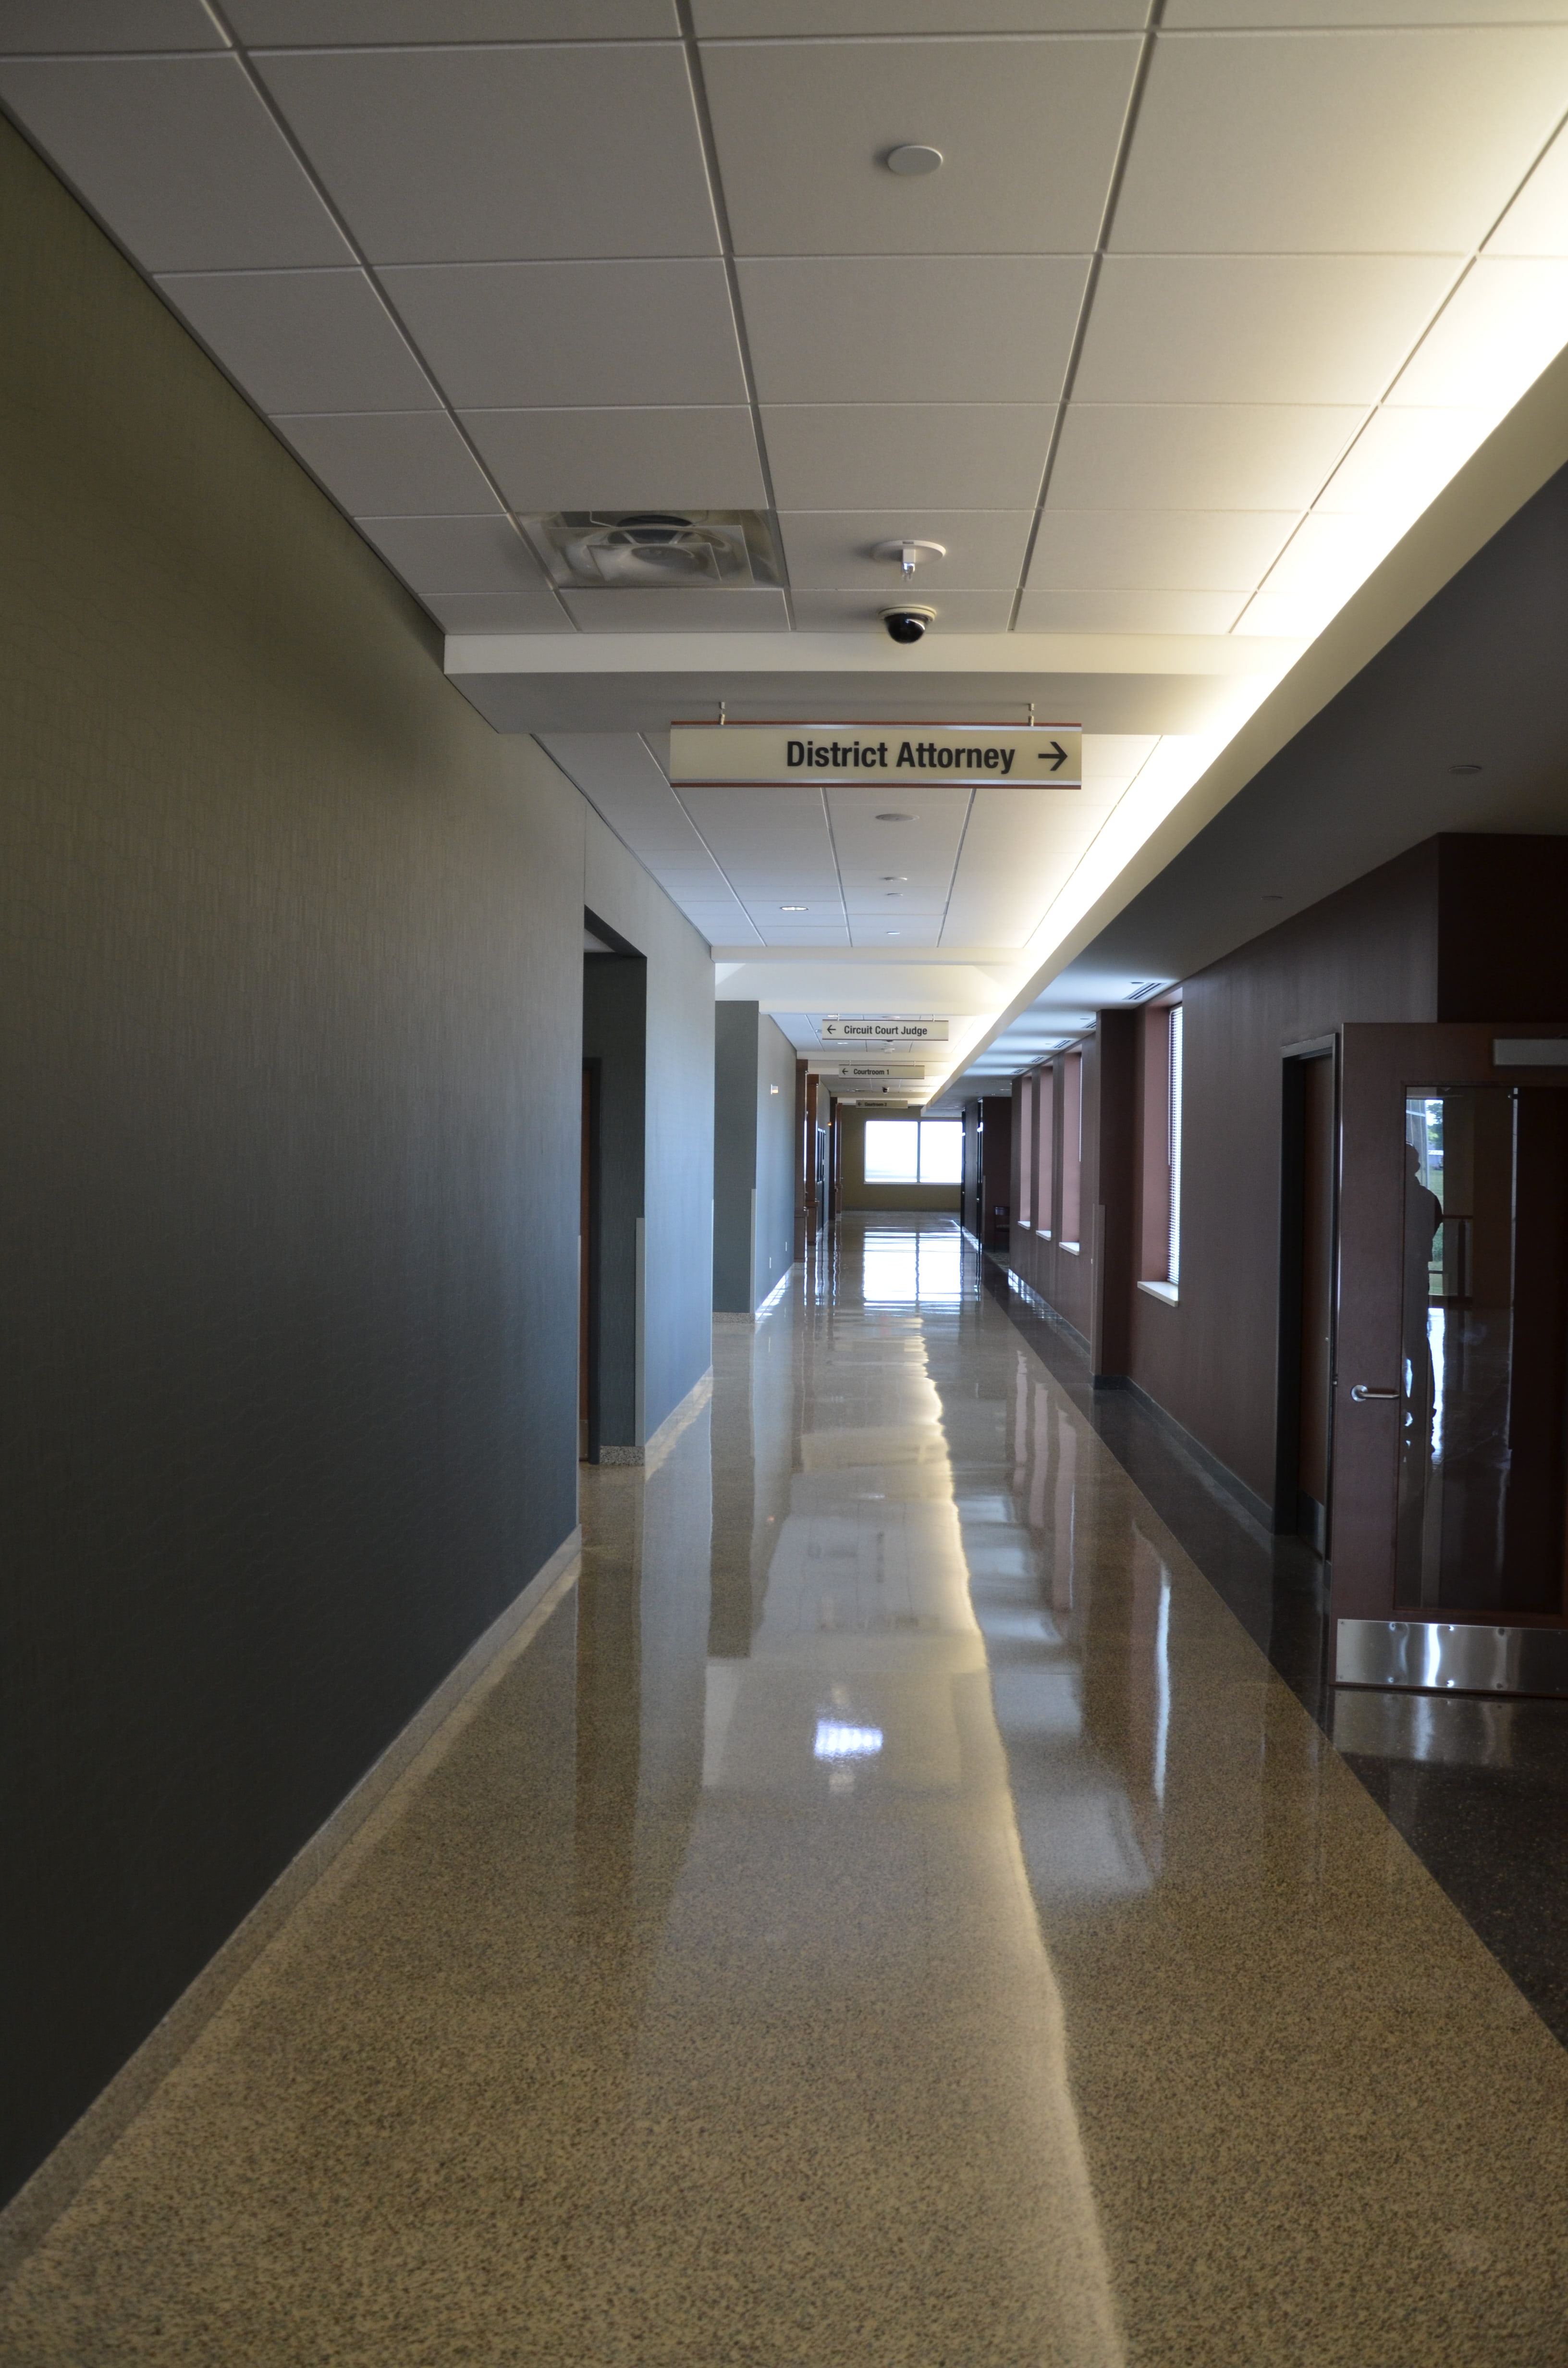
x,y
1056,755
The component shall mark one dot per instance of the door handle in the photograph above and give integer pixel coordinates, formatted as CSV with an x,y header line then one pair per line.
x,y
1360,1394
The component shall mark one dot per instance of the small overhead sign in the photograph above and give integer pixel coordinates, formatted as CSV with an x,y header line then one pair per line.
x,y
859,1069
877,755
884,1031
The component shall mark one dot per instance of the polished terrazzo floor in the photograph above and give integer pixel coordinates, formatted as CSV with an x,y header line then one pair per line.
x,y
891,1912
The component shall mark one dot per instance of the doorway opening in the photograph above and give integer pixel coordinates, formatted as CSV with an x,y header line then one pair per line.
x,y
1307,1169
609,1305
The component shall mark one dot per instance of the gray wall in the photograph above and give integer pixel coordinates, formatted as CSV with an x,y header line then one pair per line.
x,y
291,1034
754,1157
676,1332
775,1158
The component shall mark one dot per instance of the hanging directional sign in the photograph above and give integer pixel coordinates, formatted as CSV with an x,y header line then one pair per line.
x,y
877,755
883,1031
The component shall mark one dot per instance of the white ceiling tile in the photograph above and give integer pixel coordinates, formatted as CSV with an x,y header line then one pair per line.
x,y
1497,333
876,933
621,459
882,329
1156,550
1129,612
304,340
695,608
969,456
527,335
1376,142
1537,221
779,19
821,610
456,554
1116,756
833,549
496,155
722,925
1403,459
340,24
1273,15
391,464
534,609
893,906
1290,328
56,27
781,933
1286,615
620,778
1028,131
1210,456
1331,553
770,842
178,155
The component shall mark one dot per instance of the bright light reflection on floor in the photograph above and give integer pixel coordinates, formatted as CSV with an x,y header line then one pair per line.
x,y
905,1270
836,1741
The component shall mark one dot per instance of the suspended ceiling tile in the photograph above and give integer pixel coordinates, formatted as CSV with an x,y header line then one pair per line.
x,y
941,455
178,155
457,555
1210,456
1537,221
1402,457
1321,142
58,26
340,24
882,329
834,934
722,925
497,155
391,464
621,459
533,610
1156,550
1497,332
820,608
896,908
1129,612
691,608
833,549
756,832
535,335
1116,756
619,775
1332,553
304,340
1272,15
777,20
1288,328
1028,130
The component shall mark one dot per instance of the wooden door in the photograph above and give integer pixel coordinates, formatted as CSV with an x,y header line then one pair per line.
x,y
1450,1484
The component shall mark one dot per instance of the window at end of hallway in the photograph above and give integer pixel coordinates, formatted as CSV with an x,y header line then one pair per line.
x,y
1160,1260
913,1151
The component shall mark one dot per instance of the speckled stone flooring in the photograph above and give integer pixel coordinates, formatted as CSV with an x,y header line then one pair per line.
x,y
891,1913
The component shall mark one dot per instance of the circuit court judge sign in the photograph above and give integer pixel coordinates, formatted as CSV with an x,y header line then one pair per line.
x,y
879,755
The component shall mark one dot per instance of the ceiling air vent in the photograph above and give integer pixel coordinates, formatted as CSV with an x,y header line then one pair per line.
x,y
654,549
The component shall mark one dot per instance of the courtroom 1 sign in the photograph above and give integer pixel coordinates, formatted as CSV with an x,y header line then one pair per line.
x,y
879,755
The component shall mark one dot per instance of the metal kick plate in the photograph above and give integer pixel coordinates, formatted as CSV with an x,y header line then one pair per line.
x,y
1452,1657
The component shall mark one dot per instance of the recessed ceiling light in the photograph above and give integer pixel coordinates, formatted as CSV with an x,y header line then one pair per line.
x,y
895,875
912,160
894,933
794,908
897,817
895,892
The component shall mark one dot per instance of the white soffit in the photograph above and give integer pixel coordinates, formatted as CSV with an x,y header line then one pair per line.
x,y
486,257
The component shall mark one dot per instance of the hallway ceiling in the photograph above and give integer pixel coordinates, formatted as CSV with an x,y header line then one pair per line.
x,y
1187,329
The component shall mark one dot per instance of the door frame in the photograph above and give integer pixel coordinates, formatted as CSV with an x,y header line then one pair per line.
x,y
1293,1059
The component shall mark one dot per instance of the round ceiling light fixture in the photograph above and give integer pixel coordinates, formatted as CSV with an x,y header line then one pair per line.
x,y
912,160
897,817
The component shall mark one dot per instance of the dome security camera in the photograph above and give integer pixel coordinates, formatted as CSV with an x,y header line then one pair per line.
x,y
908,625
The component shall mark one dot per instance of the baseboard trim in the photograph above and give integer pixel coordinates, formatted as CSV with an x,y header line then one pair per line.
x,y
1248,1498
430,1734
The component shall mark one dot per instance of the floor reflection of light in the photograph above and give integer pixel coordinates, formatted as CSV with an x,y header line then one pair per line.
x,y
1161,1687
905,1270
836,1741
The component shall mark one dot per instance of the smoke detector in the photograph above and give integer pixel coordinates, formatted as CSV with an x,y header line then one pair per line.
x,y
654,549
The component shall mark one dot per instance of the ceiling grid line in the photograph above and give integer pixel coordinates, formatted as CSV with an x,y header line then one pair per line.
x,y
1081,327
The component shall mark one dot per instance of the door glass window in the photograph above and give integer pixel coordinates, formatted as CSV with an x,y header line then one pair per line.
x,y
1484,1346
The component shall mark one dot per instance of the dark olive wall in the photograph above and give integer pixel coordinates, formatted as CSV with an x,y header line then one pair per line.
x,y
291,1077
